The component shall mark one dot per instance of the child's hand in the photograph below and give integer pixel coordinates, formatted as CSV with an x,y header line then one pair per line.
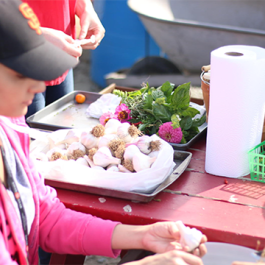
x,y
173,257
165,236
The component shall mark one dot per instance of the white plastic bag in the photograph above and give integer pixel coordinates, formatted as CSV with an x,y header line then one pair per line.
x,y
72,172
106,103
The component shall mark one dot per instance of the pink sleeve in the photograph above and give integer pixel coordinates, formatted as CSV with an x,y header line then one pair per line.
x,y
63,230
5,255
66,231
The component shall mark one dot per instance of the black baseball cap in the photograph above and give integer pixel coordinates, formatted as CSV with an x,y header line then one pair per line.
x,y
23,47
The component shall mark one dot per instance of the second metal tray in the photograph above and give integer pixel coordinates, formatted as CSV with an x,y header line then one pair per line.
x,y
181,159
202,131
65,113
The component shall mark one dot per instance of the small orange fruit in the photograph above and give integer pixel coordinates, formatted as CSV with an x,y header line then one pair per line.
x,y
80,98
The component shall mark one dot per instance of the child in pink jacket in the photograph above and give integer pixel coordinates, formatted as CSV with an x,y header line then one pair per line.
x,y
30,213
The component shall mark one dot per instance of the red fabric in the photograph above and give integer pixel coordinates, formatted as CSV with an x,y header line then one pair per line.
x,y
60,15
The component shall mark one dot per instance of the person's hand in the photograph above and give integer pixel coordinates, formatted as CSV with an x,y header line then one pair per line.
x,y
89,23
246,263
159,238
165,236
62,41
173,257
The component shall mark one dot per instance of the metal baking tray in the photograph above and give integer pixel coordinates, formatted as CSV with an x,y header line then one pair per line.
x,y
183,147
65,113
181,158
202,131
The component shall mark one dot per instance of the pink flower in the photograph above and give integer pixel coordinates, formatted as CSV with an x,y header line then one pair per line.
x,y
122,113
106,116
167,133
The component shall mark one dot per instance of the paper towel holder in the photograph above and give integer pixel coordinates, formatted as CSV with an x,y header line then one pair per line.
x,y
234,53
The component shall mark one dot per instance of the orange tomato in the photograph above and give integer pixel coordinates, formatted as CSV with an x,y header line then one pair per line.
x,y
80,98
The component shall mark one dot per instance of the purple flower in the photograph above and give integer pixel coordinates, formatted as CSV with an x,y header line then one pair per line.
x,y
122,113
106,116
169,134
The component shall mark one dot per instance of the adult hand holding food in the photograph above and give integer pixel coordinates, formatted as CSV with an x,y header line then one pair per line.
x,y
92,31
62,41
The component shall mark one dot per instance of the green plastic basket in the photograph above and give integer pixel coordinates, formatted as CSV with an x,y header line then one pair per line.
x,y
257,162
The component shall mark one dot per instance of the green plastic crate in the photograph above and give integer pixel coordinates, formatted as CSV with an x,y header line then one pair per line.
x,y
257,162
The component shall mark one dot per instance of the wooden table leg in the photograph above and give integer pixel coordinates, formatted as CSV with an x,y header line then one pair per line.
x,y
60,259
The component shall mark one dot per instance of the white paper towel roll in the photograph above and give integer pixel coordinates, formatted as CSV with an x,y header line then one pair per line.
x,y
237,107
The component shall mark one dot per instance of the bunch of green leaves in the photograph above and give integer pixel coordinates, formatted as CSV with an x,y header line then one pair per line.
x,y
154,106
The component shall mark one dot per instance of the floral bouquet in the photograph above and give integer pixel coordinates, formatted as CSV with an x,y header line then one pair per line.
x,y
164,111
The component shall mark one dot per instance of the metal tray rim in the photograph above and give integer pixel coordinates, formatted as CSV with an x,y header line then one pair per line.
x,y
41,125
133,195
188,144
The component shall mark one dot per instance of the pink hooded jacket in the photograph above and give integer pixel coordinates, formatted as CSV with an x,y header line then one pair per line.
x,y
55,228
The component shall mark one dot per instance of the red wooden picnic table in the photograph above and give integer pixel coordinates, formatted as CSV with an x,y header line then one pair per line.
x,y
224,209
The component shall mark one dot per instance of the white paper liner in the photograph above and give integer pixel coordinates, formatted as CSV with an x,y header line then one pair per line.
x,y
70,171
